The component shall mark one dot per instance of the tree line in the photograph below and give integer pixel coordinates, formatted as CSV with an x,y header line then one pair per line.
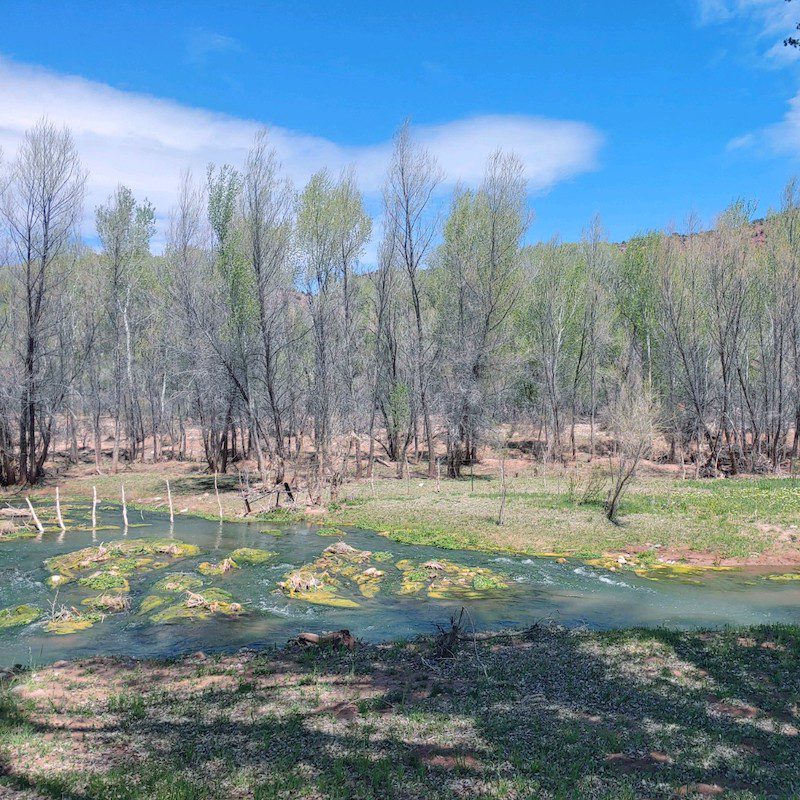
x,y
259,326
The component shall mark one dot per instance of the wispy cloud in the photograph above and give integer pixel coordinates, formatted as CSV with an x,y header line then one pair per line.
x,y
145,142
770,21
200,44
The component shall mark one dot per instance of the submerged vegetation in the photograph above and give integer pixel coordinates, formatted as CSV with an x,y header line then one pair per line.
x,y
18,615
343,572
112,563
442,579
191,606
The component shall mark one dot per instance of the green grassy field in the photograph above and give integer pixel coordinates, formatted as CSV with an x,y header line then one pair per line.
x,y
560,512
545,714
730,518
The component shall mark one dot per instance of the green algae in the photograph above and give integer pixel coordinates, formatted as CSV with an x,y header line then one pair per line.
x,y
688,573
645,567
178,582
104,581
198,606
117,559
338,570
252,555
151,602
73,621
222,568
443,580
17,534
108,603
784,577
486,582
180,596
331,532
97,528
18,615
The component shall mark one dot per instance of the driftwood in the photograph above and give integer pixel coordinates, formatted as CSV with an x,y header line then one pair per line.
x,y
14,513
255,494
447,641
342,638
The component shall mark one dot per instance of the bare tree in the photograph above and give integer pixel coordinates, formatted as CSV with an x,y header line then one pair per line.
x,y
632,418
125,229
267,209
42,205
411,225
481,284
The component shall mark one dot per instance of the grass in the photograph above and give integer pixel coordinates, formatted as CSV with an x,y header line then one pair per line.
x,y
557,510
547,514
547,713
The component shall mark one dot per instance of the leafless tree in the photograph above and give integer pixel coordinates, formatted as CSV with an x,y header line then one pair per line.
x,y
42,204
410,223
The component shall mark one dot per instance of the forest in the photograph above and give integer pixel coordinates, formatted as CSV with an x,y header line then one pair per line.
x,y
261,325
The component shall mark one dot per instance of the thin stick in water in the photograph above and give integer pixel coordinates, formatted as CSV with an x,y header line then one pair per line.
x,y
171,509
216,491
94,507
124,506
58,511
36,519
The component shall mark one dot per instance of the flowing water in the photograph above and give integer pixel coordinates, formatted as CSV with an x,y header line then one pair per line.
x,y
570,593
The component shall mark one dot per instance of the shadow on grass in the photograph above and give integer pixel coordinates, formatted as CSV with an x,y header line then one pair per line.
x,y
194,484
552,714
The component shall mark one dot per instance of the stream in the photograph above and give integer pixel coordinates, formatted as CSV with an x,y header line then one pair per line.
x,y
570,593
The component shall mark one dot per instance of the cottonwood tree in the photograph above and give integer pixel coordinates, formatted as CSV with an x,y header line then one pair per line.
x,y
317,243
479,285
202,363
267,207
353,228
42,203
392,380
551,303
410,224
125,229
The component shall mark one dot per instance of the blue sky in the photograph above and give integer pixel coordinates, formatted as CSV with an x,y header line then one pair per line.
x,y
639,111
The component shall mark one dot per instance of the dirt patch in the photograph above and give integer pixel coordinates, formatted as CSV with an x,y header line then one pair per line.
x,y
773,557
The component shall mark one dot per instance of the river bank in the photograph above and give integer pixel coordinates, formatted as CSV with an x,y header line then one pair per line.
x,y
542,713
733,522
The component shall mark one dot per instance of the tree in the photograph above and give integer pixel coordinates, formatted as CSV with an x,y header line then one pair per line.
x,y
792,41
267,203
479,262
125,229
632,420
42,205
408,193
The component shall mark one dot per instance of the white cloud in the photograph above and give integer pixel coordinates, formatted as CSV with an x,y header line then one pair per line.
x,y
784,137
741,142
714,11
772,21
200,44
145,142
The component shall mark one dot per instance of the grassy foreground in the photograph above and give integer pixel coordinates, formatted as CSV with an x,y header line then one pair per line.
x,y
547,713
734,521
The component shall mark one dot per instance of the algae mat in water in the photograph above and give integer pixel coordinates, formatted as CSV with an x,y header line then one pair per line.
x,y
102,593
344,570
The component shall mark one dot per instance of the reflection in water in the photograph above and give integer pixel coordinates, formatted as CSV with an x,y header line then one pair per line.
x,y
570,593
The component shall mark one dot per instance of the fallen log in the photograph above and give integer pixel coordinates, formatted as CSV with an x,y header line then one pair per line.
x,y
14,513
342,638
